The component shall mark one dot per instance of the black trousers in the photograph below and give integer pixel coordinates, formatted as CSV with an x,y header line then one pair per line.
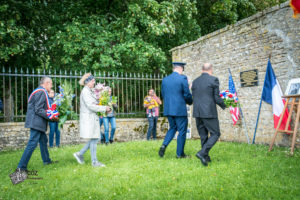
x,y
205,125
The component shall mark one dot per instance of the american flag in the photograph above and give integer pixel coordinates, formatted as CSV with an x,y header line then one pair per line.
x,y
233,111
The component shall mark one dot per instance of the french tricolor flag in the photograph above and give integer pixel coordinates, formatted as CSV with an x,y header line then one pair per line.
x,y
272,94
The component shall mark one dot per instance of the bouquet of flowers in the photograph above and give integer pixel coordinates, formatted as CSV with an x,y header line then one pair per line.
x,y
229,98
101,92
63,101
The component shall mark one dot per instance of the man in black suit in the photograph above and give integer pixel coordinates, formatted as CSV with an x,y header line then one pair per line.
x,y
205,91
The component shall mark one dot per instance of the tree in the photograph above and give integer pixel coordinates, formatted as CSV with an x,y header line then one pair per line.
x,y
136,39
110,35
15,37
216,14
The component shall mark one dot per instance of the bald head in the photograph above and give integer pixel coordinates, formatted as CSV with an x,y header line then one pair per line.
x,y
207,67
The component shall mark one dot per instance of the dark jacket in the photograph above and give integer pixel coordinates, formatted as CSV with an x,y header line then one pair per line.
x,y
51,100
176,94
205,92
36,116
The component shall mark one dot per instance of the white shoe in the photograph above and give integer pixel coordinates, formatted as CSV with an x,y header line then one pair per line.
x,y
79,158
97,164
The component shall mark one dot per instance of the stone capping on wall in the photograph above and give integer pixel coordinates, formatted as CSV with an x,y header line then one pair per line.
x,y
229,27
70,121
12,124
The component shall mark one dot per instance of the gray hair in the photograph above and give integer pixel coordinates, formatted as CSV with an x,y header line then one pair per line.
x,y
206,67
44,79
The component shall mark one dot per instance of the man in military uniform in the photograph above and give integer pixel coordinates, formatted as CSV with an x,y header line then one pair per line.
x,y
176,94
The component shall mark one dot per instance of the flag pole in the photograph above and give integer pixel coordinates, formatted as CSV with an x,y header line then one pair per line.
x,y
240,109
253,140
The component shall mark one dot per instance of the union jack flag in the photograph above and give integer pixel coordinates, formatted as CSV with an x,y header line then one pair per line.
x,y
51,111
234,111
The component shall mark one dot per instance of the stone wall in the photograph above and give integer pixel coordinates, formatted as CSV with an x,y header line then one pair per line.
x,y
244,46
14,136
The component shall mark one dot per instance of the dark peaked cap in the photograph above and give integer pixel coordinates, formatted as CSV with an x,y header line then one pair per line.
x,y
178,64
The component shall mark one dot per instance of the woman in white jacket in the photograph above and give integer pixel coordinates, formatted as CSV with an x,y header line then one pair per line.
x,y
89,121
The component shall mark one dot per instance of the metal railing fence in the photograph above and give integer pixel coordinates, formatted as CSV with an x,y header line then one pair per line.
x,y
17,84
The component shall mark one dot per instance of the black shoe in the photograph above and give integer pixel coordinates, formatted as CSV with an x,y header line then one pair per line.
x,y
51,162
111,141
207,158
106,143
162,150
19,170
183,156
202,159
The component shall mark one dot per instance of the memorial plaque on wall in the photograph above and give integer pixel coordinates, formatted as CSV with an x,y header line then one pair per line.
x,y
249,78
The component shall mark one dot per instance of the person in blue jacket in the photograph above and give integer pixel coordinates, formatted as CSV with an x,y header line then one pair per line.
x,y
53,125
176,94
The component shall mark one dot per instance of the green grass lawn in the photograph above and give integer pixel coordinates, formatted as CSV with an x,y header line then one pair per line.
x,y
135,171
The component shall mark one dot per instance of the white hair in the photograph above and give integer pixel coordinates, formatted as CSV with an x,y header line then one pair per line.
x,y
44,79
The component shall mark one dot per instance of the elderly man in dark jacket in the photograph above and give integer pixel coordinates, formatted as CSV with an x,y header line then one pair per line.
x,y
205,91
36,120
